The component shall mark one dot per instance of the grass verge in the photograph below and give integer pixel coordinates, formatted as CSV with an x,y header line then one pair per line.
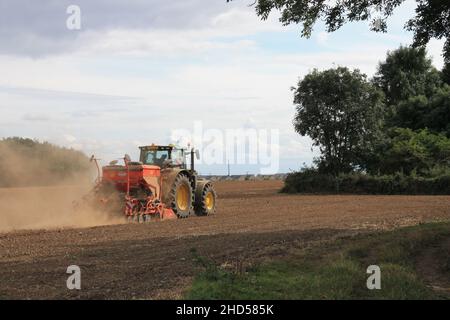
x,y
332,271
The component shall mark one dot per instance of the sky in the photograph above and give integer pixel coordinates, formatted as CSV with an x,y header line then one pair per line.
x,y
138,72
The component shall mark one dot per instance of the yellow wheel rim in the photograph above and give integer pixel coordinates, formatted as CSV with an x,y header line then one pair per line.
x,y
209,200
183,197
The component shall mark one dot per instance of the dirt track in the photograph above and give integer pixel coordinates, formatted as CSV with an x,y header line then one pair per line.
x,y
155,260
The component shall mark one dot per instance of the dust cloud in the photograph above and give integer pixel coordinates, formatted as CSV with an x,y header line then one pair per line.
x,y
50,204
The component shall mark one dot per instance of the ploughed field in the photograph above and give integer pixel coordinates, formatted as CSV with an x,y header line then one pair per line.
x,y
156,260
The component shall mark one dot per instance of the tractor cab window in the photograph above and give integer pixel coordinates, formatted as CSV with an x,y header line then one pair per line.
x,y
156,157
177,157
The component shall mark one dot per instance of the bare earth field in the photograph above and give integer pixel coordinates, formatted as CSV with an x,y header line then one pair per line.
x,y
154,260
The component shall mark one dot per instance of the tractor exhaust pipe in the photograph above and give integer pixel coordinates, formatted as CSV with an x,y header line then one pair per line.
x,y
194,154
192,159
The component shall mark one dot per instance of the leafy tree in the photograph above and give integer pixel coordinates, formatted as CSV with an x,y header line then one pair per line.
x,y
411,113
446,73
409,151
419,112
432,19
438,115
407,72
341,111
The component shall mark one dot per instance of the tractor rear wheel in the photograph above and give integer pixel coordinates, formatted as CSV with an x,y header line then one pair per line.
x,y
205,199
182,196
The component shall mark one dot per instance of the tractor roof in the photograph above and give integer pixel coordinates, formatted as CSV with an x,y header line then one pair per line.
x,y
158,147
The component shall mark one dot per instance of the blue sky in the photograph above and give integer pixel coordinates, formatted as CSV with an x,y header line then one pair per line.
x,y
131,75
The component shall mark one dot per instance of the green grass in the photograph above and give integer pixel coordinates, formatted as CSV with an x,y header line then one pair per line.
x,y
336,271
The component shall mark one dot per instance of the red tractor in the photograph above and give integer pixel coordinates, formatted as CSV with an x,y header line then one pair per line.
x,y
159,186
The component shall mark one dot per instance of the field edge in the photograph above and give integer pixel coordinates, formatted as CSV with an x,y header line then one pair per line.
x,y
339,271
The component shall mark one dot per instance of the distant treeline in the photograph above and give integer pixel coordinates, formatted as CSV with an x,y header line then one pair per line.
x,y
26,162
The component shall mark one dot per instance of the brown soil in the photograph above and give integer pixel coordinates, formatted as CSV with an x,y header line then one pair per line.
x,y
154,260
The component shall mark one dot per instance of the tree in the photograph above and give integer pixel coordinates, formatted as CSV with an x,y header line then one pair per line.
x,y
446,73
438,116
407,72
420,112
409,151
411,113
415,93
341,111
432,19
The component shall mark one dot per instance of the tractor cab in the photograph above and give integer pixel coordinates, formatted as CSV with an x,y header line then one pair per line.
x,y
163,156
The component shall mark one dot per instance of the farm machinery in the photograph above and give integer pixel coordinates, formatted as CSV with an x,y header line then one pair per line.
x,y
160,185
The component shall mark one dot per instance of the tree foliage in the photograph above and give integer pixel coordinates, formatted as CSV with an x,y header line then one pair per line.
x,y
411,113
419,112
438,113
432,19
407,72
409,151
446,73
26,162
341,111
416,96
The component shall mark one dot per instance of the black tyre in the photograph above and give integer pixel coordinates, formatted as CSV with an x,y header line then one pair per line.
x,y
205,199
182,197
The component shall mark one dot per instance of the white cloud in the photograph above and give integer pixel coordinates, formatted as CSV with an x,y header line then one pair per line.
x,y
322,38
166,43
435,51
69,138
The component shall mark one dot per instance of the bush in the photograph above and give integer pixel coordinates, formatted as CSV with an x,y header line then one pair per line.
x,y
409,152
310,181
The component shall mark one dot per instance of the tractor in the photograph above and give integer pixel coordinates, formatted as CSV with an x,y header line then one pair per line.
x,y
160,185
